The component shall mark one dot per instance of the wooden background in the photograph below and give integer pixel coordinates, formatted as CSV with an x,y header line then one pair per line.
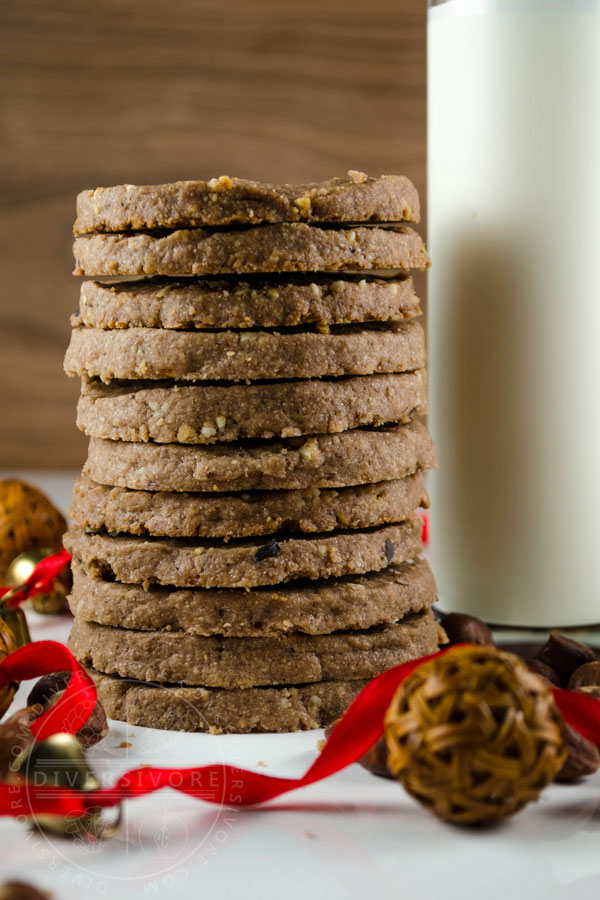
x,y
147,91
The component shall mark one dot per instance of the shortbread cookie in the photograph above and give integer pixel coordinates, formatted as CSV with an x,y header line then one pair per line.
x,y
340,604
262,303
245,355
337,460
242,563
270,248
203,414
172,514
227,201
230,662
218,711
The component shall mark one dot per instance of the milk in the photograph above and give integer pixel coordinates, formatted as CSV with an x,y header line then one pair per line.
x,y
514,308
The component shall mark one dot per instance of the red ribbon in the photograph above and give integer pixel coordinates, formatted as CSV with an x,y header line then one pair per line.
x,y
41,580
357,731
77,703
425,529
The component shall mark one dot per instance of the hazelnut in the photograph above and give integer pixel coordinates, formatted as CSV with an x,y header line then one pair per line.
x,y
223,183
185,433
309,450
564,655
374,760
583,757
95,728
463,629
44,690
357,177
208,430
15,736
543,670
48,690
303,205
585,676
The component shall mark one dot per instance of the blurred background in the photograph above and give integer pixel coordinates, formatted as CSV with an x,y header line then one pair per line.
x,y
127,91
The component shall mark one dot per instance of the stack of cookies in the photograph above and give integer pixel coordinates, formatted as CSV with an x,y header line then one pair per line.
x,y
246,549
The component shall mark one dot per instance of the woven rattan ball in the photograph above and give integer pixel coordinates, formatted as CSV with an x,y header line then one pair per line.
x,y
27,520
473,735
8,643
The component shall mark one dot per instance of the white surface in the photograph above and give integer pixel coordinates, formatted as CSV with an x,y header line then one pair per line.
x,y
514,229
351,836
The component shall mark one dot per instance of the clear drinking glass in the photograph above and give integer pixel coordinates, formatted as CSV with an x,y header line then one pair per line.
x,y
514,308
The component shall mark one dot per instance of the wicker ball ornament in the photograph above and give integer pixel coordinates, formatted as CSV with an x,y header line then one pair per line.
x,y
473,735
27,520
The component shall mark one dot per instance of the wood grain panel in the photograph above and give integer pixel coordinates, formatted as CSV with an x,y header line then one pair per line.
x,y
120,90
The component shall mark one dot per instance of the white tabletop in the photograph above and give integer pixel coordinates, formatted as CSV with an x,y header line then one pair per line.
x,y
351,836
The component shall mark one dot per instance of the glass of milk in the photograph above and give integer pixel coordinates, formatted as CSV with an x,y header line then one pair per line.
x,y
514,308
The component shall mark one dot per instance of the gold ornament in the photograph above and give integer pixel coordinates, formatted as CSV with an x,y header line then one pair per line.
x,y
15,736
22,567
13,618
27,519
59,762
8,643
473,735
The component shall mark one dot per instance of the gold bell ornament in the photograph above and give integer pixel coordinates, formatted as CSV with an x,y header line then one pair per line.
x,y
13,619
59,762
8,643
20,570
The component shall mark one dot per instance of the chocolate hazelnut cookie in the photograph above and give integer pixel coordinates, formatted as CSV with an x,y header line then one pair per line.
x,y
360,456
196,303
227,201
176,412
238,710
245,355
242,563
267,248
176,514
322,607
229,662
